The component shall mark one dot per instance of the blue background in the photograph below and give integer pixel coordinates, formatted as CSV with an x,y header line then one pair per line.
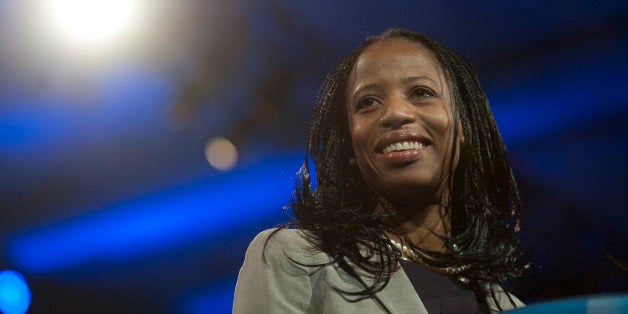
x,y
108,204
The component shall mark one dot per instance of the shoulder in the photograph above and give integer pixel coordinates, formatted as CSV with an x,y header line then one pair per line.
x,y
286,248
294,238
504,299
281,240
275,277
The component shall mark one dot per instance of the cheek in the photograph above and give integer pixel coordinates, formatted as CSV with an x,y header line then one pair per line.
x,y
442,122
446,130
359,137
443,118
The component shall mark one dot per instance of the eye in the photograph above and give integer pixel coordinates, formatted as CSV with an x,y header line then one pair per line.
x,y
365,103
423,92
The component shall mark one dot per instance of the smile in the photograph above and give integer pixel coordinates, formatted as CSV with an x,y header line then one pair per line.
x,y
401,146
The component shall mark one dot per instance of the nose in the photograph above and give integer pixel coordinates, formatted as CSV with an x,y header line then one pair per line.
x,y
398,112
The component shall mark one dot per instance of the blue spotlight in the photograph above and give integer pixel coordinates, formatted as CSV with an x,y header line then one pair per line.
x,y
15,297
589,92
159,221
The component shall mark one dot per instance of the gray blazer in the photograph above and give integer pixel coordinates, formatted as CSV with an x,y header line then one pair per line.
x,y
273,284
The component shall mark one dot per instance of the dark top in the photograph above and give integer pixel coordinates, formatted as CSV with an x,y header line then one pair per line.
x,y
439,293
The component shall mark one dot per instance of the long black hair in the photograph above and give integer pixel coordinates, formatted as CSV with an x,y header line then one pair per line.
x,y
483,206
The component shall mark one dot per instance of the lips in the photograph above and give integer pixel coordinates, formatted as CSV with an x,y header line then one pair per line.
x,y
401,146
397,141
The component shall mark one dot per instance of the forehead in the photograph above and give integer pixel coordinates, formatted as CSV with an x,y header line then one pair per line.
x,y
398,55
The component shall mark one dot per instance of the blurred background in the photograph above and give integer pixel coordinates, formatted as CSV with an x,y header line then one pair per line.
x,y
143,144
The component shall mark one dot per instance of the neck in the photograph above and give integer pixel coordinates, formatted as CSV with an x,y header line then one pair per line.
x,y
423,227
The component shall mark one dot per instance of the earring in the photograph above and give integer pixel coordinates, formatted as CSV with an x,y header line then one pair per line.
x,y
352,161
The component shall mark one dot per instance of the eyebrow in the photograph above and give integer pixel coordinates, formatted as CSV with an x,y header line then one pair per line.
x,y
363,87
419,78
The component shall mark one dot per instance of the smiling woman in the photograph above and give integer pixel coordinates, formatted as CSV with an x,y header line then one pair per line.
x,y
415,208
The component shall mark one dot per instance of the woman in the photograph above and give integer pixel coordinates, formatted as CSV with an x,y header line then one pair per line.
x,y
414,208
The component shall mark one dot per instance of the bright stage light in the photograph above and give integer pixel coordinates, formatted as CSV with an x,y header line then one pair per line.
x,y
93,20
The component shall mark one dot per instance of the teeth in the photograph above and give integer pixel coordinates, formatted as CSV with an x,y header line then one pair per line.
x,y
403,146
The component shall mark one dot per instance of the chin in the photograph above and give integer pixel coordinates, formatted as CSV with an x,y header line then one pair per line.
x,y
408,191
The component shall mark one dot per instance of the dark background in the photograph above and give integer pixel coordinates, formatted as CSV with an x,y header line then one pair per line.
x,y
107,201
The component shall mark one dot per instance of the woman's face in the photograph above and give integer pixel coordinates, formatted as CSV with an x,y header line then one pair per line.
x,y
400,119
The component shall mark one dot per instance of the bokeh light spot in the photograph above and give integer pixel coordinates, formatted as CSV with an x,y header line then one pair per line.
x,y
15,297
221,153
